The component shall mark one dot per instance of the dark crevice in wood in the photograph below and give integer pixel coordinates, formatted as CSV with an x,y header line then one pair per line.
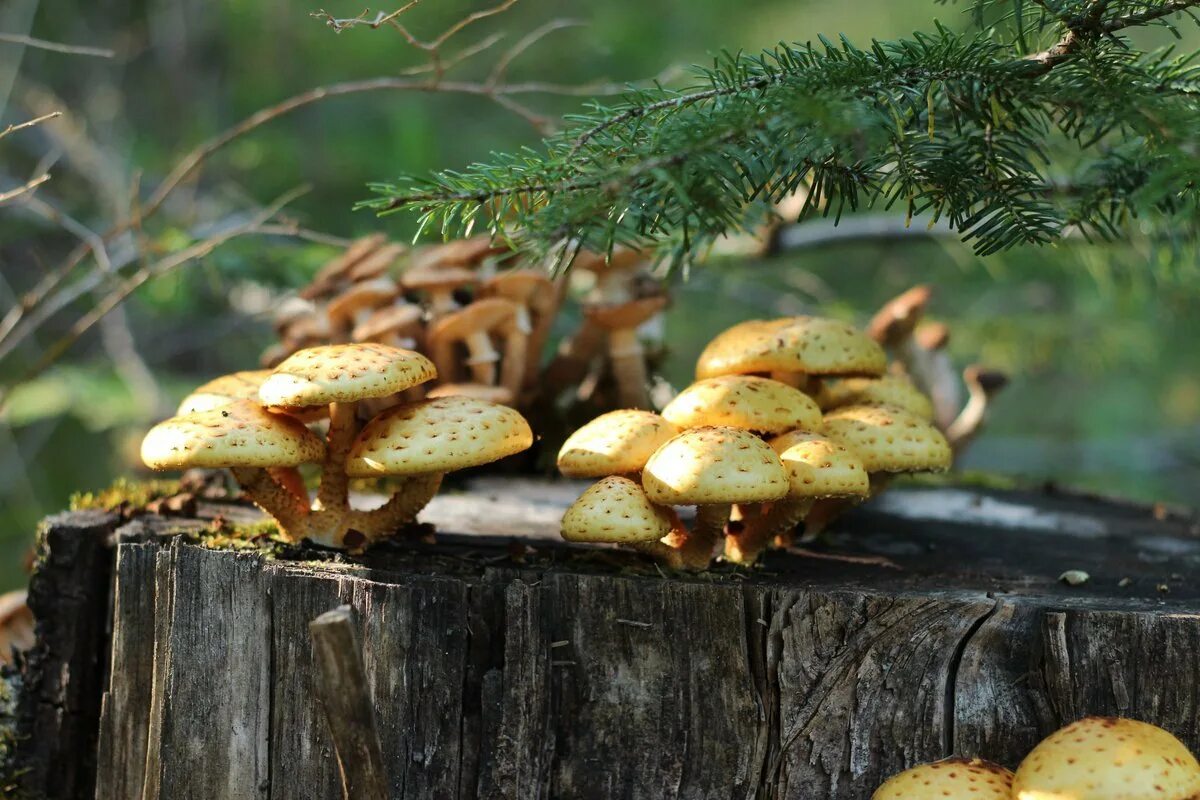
x,y
950,707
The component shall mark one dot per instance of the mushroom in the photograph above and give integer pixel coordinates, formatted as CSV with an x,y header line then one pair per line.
x,y
817,467
248,439
355,305
743,401
712,468
16,625
537,302
892,390
423,441
949,779
339,376
439,285
617,443
1108,758
982,385
620,322
616,510
335,272
888,440
474,326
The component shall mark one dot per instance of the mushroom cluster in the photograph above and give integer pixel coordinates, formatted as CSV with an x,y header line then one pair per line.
x,y
256,424
481,315
749,445
1096,758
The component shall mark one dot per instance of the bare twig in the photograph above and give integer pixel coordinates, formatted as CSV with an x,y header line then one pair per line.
x,y
57,47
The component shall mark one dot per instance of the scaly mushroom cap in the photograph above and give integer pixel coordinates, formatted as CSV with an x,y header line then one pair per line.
x,y
440,435
482,315
1105,758
889,439
240,434
618,316
342,373
433,278
616,443
615,510
820,467
479,391
709,466
361,295
888,390
812,345
223,390
744,401
398,319
949,779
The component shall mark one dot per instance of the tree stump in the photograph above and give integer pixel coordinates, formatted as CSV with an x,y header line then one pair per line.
x,y
503,662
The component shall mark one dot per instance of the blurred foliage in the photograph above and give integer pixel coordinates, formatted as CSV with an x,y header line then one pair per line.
x,y
1106,389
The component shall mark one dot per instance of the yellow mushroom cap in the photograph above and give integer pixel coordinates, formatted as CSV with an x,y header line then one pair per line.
x,y
889,439
1105,758
615,510
949,779
440,435
239,434
812,345
705,466
818,466
744,401
221,391
619,442
342,373
891,390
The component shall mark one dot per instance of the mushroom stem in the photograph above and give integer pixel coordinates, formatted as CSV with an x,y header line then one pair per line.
x,y
482,357
629,368
274,499
759,531
332,496
400,510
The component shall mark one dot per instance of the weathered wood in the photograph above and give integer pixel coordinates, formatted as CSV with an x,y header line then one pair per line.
x,y
571,672
342,689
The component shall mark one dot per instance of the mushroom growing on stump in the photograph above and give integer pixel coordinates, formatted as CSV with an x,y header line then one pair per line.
x,y
817,467
339,376
743,401
473,327
423,441
949,779
617,443
888,440
616,510
712,468
982,385
620,323
889,390
246,438
1107,758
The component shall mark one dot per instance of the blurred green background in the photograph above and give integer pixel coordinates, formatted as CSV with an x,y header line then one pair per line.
x,y
1100,339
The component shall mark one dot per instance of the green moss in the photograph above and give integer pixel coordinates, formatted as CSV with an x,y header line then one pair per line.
x,y
124,493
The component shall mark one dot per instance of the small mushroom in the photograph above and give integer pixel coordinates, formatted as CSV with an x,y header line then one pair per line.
x,y
620,322
949,779
438,285
617,443
712,468
246,438
982,385
473,326
1108,758
423,441
743,401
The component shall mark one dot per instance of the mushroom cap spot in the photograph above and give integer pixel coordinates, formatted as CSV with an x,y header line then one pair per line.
x,y
239,434
482,315
744,401
616,510
342,373
949,779
399,319
812,345
890,390
439,435
368,294
434,278
480,391
223,390
889,439
818,466
715,465
619,442
1105,758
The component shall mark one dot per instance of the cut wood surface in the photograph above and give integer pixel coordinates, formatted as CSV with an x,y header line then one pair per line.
x,y
542,669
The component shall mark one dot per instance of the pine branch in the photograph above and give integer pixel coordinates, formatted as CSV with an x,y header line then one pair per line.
x,y
961,127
